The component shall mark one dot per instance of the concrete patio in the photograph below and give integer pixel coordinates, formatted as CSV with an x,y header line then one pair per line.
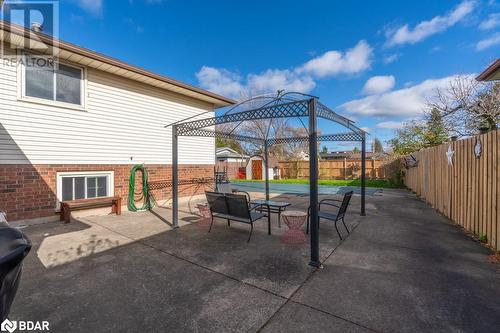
x,y
403,268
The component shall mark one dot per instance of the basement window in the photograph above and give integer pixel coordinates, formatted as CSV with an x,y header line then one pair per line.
x,y
44,79
86,185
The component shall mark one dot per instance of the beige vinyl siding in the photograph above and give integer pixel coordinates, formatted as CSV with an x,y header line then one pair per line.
x,y
122,119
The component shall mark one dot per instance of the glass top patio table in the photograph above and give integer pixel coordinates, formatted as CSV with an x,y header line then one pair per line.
x,y
274,207
271,203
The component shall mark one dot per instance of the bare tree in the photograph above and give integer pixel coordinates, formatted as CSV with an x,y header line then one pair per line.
x,y
468,106
264,129
273,128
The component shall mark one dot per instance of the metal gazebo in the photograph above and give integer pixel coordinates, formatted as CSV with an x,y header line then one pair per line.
x,y
282,105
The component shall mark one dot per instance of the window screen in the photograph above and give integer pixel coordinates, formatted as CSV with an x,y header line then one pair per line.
x,y
79,188
67,188
39,82
84,187
62,84
68,84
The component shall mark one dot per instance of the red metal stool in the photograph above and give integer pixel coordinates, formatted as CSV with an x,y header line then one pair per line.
x,y
294,220
206,218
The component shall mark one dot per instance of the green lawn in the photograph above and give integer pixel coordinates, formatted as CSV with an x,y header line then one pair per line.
x,y
332,182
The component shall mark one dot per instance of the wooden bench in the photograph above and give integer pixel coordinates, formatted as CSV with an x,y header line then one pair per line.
x,y
68,206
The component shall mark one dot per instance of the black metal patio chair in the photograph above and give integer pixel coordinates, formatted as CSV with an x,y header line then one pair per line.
x,y
339,216
233,207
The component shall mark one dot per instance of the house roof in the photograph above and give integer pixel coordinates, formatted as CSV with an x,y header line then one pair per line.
x,y
16,35
228,153
492,73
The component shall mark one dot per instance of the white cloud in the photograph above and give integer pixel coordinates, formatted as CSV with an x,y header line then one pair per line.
x,y
405,35
435,49
230,84
491,22
275,79
332,63
92,6
389,125
391,58
488,42
301,78
379,84
220,81
406,102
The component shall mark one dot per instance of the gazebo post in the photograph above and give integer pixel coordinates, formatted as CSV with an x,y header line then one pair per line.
x,y
175,178
363,174
313,183
266,166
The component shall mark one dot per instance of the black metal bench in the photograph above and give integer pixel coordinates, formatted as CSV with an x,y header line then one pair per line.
x,y
344,203
235,207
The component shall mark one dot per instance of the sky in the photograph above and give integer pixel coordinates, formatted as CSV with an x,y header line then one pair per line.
x,y
376,62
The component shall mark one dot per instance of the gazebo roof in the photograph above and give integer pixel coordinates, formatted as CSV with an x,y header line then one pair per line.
x,y
281,105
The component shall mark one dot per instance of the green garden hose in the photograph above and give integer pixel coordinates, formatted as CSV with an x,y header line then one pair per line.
x,y
148,200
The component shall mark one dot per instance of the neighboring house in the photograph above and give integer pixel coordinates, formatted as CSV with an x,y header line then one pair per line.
x,y
335,155
75,131
230,161
350,155
492,73
226,154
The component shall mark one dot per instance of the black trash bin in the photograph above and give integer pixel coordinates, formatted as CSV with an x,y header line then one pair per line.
x,y
14,247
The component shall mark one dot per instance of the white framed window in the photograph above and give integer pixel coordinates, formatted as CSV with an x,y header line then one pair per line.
x,y
44,80
84,185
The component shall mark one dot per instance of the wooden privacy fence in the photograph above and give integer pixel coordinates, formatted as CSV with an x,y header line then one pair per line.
x,y
336,169
467,192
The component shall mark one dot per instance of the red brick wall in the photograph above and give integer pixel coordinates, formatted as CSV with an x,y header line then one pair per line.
x,y
29,191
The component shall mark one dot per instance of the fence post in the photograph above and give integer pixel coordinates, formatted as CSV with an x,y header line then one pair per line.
x,y
344,164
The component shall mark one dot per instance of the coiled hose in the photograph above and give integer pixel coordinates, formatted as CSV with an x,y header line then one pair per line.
x,y
145,195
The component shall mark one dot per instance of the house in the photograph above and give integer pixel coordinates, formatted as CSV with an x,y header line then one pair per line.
x,y
231,162
335,155
73,129
226,154
350,155
492,73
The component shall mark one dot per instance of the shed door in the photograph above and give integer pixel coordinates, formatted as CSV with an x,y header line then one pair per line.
x,y
257,169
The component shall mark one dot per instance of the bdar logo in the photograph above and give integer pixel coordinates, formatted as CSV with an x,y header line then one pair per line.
x,y
8,326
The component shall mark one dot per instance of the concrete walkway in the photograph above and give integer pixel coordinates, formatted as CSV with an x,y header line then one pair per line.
x,y
403,268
